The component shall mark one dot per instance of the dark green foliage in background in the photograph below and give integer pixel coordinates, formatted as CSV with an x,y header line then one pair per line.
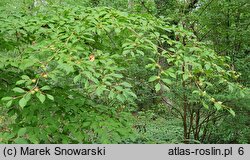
x,y
136,71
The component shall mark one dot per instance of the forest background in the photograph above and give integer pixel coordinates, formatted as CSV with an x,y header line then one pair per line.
x,y
124,71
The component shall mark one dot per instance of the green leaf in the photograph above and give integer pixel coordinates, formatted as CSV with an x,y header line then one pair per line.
x,y
165,88
231,112
117,75
171,49
132,94
152,60
167,81
117,30
150,66
68,68
25,77
185,76
77,78
100,90
21,141
20,82
120,97
22,102
126,84
6,98
27,96
41,97
125,52
140,52
171,74
119,88
111,95
242,94
153,78
205,105
9,103
33,139
21,132
170,42
50,97
217,105
18,90
108,83
45,88
86,124
207,66
230,87
157,87
26,64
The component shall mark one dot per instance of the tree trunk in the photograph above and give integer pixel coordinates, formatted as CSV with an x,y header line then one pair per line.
x,y
185,106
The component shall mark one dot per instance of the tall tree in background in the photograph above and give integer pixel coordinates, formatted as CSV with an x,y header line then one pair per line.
x,y
184,44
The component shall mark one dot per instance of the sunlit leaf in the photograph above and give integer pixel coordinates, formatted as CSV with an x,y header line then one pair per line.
x,y
41,97
22,102
18,90
153,78
157,87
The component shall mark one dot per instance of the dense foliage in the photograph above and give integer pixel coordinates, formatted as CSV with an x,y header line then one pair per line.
x,y
124,72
